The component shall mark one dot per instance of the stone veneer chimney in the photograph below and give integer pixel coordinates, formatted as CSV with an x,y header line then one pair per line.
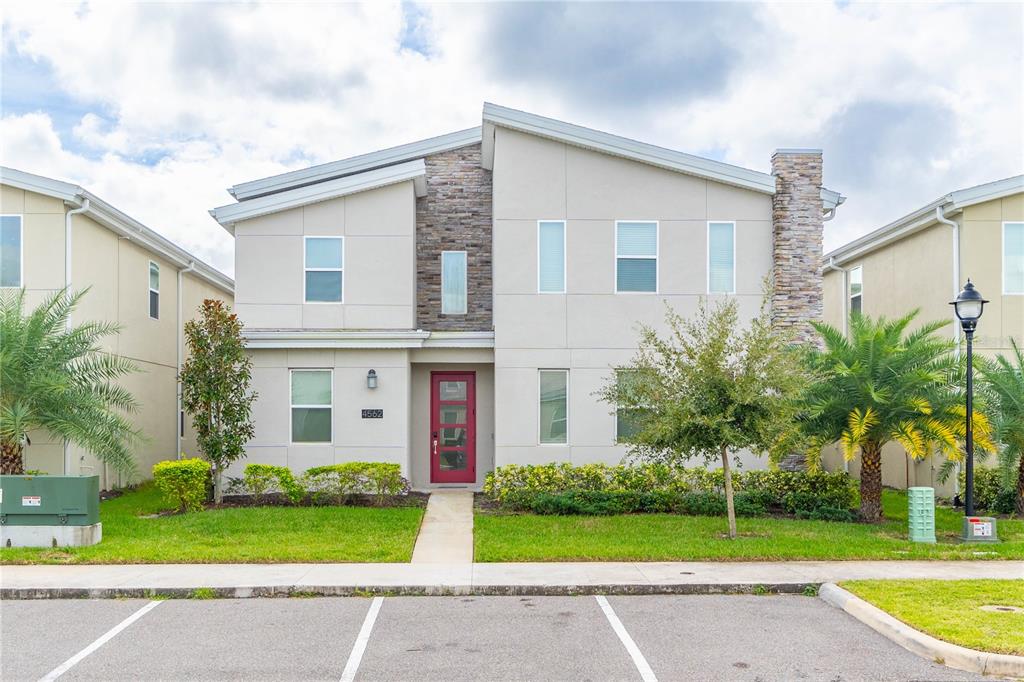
x,y
797,228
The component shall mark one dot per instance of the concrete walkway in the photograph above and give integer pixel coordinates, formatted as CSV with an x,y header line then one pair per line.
x,y
255,580
446,536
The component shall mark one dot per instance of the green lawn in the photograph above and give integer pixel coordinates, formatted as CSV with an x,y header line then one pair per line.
x,y
667,537
948,609
240,535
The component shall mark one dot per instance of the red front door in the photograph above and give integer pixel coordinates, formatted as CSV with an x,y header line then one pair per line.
x,y
452,427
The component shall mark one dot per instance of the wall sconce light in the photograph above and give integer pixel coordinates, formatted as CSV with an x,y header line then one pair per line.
x,y
371,379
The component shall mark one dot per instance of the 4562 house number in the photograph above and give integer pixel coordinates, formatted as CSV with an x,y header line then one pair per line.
x,y
373,414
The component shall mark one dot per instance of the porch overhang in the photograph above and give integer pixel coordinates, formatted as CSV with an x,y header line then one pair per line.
x,y
375,339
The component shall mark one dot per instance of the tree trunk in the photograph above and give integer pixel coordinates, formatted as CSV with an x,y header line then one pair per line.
x,y
729,507
218,492
1020,486
11,461
871,482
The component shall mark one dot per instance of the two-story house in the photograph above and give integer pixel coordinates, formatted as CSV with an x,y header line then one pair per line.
x,y
453,304
56,235
921,261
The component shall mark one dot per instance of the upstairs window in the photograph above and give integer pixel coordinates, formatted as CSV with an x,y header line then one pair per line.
x,y
721,258
1013,258
311,401
554,406
856,290
324,273
154,290
551,256
10,251
453,282
636,257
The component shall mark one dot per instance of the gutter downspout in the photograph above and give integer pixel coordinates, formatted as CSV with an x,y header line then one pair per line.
x,y
941,217
844,274
179,332
67,285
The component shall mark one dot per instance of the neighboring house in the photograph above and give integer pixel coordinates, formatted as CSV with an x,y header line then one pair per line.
x,y
453,304
54,235
922,261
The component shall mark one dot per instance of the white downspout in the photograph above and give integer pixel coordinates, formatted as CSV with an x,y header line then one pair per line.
x,y
67,285
177,375
941,217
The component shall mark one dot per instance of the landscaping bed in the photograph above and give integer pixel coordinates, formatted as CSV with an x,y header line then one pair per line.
x,y
951,610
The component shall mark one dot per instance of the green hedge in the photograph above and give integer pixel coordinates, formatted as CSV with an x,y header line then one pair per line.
x,y
331,484
183,482
259,479
606,489
989,493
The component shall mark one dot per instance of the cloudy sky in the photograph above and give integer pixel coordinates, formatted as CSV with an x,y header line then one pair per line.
x,y
158,108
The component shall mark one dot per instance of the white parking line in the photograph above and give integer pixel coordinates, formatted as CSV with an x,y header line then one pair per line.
x,y
359,647
103,639
646,674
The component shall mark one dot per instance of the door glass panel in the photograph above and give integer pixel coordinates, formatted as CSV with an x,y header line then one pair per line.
x,y
453,437
453,414
453,390
452,460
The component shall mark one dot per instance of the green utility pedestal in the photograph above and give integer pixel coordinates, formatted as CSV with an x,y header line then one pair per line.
x,y
921,514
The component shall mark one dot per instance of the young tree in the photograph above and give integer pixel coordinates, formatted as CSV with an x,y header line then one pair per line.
x,y
711,387
58,379
884,385
1003,385
215,387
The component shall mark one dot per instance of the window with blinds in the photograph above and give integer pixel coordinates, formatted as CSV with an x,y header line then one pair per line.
x,y
721,258
636,257
551,256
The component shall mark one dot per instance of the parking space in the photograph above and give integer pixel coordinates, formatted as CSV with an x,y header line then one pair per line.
x,y
453,638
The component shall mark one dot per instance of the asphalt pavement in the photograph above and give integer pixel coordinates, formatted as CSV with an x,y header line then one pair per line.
x,y
672,637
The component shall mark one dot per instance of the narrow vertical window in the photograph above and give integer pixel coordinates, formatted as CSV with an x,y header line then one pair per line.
x,y
311,404
554,406
636,257
324,269
856,290
551,256
721,258
154,290
1013,258
453,282
10,251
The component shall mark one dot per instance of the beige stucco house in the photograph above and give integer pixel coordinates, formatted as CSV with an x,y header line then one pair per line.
x,y
453,304
921,261
55,235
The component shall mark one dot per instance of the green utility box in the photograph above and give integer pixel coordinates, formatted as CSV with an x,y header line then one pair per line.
x,y
49,500
921,514
979,529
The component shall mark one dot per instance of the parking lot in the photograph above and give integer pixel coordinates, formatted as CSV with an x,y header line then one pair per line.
x,y
450,638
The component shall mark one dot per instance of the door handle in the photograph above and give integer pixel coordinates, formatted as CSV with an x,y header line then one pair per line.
x,y
435,446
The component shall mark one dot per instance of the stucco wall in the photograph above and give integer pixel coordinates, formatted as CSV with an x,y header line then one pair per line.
x,y
591,329
379,263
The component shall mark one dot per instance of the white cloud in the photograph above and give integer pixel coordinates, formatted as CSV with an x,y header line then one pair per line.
x,y
223,93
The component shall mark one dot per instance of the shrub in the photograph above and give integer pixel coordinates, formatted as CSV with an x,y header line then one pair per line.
x,y
183,482
338,482
259,479
989,494
603,503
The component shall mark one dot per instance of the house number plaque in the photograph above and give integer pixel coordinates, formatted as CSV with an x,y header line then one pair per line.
x,y
373,414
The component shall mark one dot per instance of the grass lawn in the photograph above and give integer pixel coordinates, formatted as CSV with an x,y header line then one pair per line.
x,y
667,537
948,609
237,535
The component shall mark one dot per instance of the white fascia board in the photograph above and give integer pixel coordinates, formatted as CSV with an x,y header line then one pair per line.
x,y
988,191
329,189
599,141
321,339
355,164
459,340
118,222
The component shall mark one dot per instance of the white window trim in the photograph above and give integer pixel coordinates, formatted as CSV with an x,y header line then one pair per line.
x,y
465,310
291,407
568,423
344,252
656,257
707,257
1003,246
849,290
21,248
151,290
565,258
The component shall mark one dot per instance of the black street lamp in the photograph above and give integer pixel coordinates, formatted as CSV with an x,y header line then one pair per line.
x,y
969,305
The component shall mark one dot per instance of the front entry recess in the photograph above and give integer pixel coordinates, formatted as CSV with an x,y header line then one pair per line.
x,y
452,427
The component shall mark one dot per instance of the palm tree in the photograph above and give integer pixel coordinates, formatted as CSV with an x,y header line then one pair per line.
x,y
57,379
1003,384
881,385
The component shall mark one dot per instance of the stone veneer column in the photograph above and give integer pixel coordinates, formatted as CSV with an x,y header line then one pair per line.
x,y
797,228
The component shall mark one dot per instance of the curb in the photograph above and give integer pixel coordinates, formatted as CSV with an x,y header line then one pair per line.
x,y
917,642
299,591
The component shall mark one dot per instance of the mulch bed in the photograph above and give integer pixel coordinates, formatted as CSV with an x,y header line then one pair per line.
x,y
412,499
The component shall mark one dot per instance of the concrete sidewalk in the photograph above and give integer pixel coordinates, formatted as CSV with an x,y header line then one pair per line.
x,y
446,536
264,580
